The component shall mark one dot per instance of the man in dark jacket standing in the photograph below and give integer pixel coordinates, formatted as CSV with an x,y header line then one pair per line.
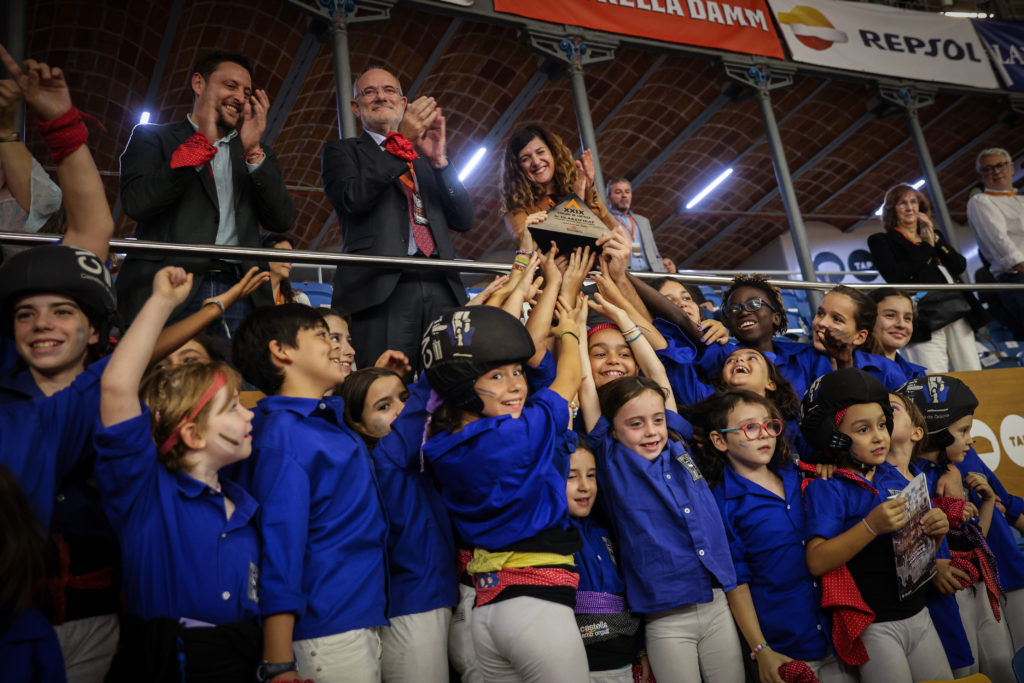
x,y
204,180
396,194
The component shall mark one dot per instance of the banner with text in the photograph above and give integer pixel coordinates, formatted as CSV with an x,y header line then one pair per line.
x,y
734,25
1005,42
884,40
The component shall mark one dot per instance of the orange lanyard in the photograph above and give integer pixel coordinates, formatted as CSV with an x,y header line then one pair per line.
x,y
631,227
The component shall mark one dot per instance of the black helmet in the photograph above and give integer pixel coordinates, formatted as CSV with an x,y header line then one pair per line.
x,y
73,272
832,393
461,345
942,400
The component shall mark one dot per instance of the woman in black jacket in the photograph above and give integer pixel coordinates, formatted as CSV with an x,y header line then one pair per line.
x,y
912,251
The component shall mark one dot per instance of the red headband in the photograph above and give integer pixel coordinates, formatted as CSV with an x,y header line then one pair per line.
x,y
601,326
840,415
219,380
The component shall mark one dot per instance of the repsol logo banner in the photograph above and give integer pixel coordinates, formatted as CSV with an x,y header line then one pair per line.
x,y
884,40
734,25
1005,42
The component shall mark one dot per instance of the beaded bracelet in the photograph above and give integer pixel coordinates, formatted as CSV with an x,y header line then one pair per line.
x,y
753,653
523,252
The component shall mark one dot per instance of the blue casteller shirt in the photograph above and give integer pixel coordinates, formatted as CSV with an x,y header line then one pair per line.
x,y
678,358
323,521
672,543
29,649
181,556
421,548
503,478
910,370
888,373
766,538
595,561
41,440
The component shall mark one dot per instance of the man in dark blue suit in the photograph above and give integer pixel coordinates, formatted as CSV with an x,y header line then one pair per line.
x,y
204,180
396,194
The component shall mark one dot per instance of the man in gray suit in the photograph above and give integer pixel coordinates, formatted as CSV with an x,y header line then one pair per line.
x,y
204,180
396,194
645,254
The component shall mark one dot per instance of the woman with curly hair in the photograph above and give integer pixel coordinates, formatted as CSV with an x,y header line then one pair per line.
x,y
539,172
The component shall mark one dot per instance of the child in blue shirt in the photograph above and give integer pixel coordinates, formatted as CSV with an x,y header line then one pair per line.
x,y
324,564
947,407
843,332
894,327
496,454
675,557
421,550
191,549
740,449
607,625
847,418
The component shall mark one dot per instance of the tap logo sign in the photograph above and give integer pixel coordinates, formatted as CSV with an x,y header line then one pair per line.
x,y
812,28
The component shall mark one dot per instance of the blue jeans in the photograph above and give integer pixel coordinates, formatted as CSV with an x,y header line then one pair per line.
x,y
214,284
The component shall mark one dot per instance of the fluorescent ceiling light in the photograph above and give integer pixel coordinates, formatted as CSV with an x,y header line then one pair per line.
x,y
144,119
968,15
916,186
711,186
472,163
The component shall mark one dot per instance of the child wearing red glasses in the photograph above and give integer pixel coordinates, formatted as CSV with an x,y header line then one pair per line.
x,y
739,447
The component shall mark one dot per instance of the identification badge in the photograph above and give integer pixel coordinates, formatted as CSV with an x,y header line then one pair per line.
x,y
686,461
418,214
253,591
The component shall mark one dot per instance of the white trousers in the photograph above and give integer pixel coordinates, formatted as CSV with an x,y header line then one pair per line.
x,y
695,642
1013,612
904,651
951,348
414,648
989,639
347,657
623,675
832,670
460,638
88,646
528,639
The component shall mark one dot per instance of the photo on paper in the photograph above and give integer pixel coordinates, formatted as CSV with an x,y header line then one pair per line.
x,y
914,549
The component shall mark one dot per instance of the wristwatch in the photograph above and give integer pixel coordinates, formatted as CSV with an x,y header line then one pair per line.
x,y
267,670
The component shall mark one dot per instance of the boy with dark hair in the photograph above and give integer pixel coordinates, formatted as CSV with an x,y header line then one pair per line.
x,y
324,564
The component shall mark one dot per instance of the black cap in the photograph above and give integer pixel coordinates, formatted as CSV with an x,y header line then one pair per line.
x,y
73,272
831,393
942,400
461,345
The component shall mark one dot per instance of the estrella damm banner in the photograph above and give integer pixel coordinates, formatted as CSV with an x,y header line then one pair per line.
x,y
733,25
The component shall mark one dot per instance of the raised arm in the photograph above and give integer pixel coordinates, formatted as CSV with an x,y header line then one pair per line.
x,y
567,340
89,222
613,294
15,159
590,407
180,332
615,249
119,399
539,322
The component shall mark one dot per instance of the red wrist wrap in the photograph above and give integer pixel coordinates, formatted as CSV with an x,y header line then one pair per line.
x,y
64,134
